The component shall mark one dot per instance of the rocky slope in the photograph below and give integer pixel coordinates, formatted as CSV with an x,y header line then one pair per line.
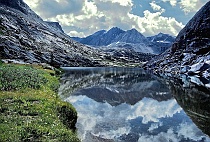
x,y
101,38
190,54
25,37
161,42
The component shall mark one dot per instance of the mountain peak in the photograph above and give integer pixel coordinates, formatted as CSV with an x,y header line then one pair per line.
x,y
133,30
115,30
99,32
160,33
131,36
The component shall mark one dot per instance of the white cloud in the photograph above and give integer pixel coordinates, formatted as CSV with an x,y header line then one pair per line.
x,y
32,3
121,2
153,23
190,131
168,136
185,130
95,16
172,2
191,5
89,8
124,2
76,34
92,114
152,110
109,122
114,134
155,126
51,8
91,16
156,7
187,5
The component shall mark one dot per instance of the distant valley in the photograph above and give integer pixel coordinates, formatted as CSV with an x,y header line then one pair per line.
x,y
118,39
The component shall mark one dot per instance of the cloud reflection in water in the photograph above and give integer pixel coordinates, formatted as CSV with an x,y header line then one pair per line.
x,y
154,116
147,120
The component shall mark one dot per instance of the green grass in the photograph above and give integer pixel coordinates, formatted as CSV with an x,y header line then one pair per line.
x,y
30,109
16,78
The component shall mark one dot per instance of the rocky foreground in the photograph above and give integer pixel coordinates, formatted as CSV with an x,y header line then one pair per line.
x,y
190,54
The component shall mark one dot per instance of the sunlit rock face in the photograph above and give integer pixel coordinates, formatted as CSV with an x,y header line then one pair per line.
x,y
190,52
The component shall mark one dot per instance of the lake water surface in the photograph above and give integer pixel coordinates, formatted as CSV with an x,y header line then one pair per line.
x,y
131,105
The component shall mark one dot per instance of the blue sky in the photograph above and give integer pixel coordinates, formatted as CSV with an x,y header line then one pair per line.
x,y
84,17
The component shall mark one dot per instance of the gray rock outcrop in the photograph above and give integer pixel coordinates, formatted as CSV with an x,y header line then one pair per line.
x,y
190,54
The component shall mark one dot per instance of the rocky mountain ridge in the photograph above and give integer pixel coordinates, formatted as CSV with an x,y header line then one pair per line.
x,y
25,37
116,38
190,54
161,42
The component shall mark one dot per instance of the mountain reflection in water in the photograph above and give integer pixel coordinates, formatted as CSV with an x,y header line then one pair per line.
x,y
126,105
195,100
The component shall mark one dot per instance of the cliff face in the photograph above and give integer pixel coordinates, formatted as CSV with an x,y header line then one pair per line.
x,y
195,35
190,53
55,25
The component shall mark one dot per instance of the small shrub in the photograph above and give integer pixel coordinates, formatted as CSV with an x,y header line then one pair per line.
x,y
68,115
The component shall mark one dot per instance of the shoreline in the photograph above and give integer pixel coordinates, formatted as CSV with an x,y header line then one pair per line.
x,y
33,110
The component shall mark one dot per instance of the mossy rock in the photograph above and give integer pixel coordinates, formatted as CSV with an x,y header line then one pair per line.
x,y
68,115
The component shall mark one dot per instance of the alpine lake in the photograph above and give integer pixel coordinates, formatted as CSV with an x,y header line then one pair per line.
x,y
133,105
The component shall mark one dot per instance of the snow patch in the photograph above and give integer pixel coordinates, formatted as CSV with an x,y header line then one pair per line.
x,y
196,67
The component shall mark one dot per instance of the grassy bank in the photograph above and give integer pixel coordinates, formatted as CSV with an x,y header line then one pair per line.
x,y
30,109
